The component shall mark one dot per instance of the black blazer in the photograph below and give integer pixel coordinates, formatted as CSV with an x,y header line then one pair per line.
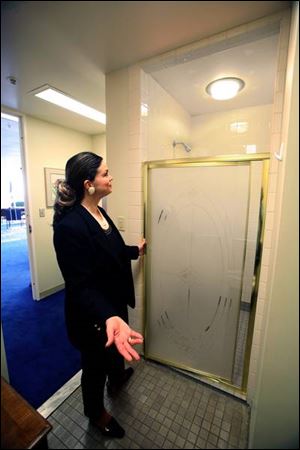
x,y
98,280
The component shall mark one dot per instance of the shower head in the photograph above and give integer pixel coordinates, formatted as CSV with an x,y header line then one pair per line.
x,y
186,147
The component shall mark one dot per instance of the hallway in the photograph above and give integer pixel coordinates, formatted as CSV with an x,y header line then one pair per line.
x,y
159,408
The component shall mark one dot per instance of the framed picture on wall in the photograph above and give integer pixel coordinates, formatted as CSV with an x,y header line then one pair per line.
x,y
51,176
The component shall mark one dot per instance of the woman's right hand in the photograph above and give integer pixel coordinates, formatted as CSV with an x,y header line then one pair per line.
x,y
119,333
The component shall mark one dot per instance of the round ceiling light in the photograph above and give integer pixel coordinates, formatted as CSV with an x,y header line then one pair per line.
x,y
225,88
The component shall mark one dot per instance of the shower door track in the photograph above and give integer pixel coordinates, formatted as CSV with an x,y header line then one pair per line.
x,y
235,159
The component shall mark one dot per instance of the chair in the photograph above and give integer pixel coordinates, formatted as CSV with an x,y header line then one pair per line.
x,y
3,218
23,217
8,216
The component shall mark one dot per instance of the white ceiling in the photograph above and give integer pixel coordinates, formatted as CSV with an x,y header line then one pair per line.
x,y
254,63
72,45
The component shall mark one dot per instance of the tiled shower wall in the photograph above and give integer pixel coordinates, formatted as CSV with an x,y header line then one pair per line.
x,y
139,151
272,204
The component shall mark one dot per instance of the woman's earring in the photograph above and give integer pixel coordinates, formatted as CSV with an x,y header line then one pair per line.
x,y
91,190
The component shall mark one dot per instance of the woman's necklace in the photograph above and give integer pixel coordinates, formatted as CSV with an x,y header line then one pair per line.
x,y
99,217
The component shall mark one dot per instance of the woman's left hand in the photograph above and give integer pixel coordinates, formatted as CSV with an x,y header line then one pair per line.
x,y
119,333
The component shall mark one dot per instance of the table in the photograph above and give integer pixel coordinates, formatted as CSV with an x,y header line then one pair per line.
x,y
21,425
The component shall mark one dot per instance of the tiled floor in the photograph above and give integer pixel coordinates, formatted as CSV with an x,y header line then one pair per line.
x,y
158,408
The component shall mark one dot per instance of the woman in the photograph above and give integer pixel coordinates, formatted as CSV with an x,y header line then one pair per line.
x,y
96,266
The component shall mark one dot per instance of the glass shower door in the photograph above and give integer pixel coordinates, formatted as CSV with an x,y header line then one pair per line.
x,y
197,242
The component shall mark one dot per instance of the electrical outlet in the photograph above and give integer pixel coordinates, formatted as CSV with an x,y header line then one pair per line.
x,y
42,212
121,223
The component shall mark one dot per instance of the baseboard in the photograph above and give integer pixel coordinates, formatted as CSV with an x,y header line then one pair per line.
x,y
51,291
60,396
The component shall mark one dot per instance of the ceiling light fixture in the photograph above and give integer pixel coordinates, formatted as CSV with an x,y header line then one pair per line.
x,y
225,88
9,117
57,97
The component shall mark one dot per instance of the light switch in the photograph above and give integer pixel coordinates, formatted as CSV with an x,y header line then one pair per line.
x,y
121,223
42,212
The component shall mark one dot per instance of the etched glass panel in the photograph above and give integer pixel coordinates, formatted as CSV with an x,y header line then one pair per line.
x,y
195,265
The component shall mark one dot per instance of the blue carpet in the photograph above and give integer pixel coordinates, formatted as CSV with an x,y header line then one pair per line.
x,y
40,358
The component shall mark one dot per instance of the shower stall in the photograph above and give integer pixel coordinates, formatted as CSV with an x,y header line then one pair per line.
x,y
204,222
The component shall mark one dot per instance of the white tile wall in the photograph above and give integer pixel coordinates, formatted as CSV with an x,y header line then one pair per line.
x,y
135,223
269,242
212,133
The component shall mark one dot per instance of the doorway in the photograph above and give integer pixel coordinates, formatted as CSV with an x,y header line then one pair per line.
x,y
204,222
15,256
13,216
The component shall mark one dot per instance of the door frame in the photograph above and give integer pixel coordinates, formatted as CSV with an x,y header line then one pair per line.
x,y
216,381
27,203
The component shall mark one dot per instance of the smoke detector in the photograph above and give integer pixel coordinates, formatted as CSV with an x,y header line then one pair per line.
x,y
12,80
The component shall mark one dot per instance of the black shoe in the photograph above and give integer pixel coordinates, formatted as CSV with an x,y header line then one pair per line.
x,y
112,389
112,429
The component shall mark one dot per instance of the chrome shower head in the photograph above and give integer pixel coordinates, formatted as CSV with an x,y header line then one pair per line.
x,y
186,147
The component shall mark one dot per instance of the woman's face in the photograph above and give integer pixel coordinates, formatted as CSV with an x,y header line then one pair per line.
x,y
103,181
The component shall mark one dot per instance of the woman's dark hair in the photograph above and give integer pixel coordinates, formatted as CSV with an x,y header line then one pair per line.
x,y
70,192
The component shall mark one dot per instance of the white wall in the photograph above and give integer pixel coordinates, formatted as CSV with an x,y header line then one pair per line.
x,y
275,409
117,141
99,144
273,205
46,145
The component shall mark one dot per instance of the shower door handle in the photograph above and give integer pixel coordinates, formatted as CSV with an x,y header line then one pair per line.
x,y
254,288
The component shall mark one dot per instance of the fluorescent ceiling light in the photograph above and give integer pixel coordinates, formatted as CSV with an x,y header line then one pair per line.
x,y
225,88
60,99
9,117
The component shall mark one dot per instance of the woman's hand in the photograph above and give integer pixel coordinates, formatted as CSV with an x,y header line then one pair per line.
x,y
119,333
142,247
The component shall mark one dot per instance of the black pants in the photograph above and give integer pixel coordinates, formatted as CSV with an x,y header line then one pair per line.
x,y
97,364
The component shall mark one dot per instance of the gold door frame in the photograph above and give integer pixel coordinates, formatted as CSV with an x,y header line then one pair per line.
x,y
212,161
